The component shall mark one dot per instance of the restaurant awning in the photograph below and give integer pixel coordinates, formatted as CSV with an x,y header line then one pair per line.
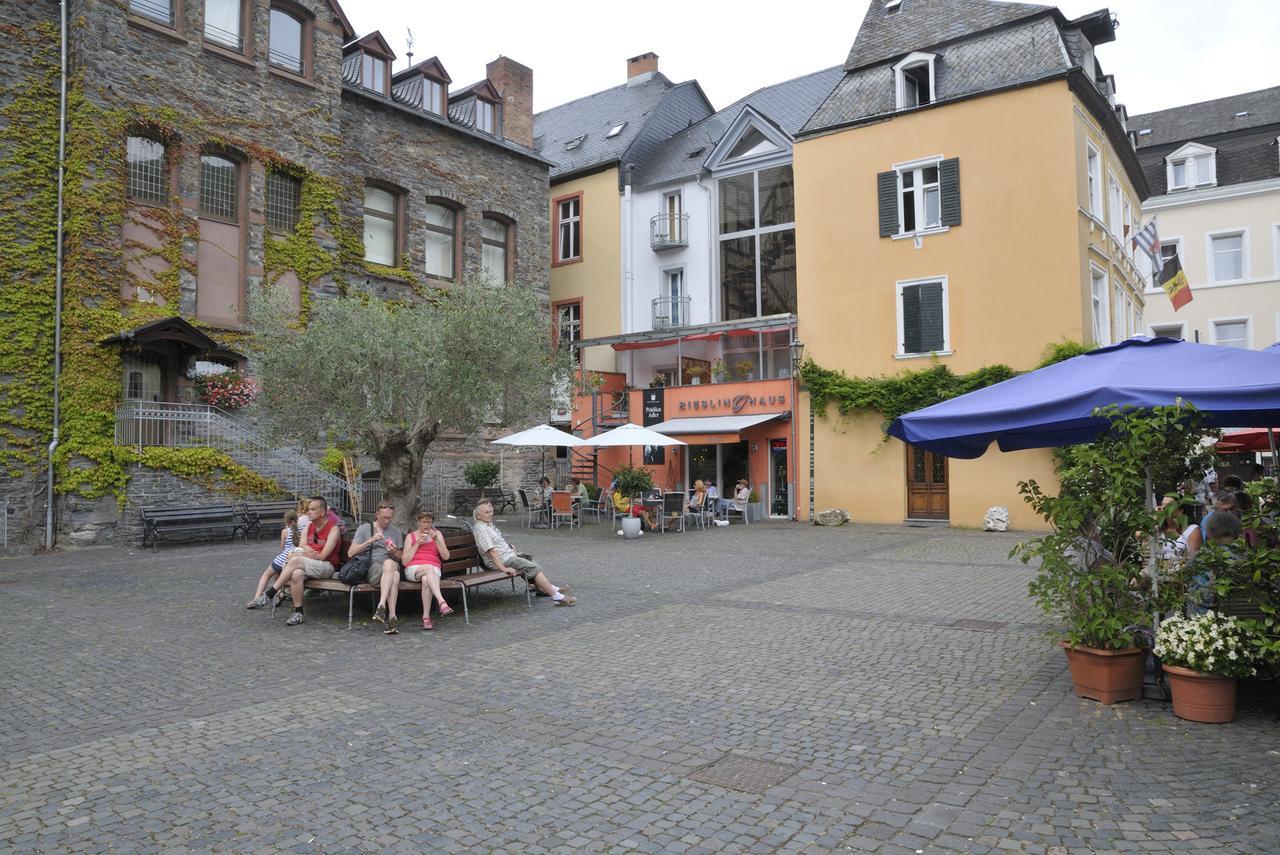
x,y
712,430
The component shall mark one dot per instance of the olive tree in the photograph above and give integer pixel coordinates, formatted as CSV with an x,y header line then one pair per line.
x,y
387,378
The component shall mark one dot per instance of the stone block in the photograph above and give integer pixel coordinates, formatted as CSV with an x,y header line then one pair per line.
x,y
832,516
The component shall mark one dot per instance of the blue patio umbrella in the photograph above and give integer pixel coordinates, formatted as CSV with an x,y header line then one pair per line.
x,y
1053,406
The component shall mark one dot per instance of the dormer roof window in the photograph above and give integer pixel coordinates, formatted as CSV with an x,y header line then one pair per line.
x,y
424,85
367,63
1192,166
479,106
915,81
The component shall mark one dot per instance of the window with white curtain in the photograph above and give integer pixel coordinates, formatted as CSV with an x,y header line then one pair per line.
x,y
441,224
222,23
1101,316
494,240
1232,333
1227,256
380,210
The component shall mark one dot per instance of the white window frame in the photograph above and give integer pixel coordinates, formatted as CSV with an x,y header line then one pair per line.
x,y
1153,285
917,167
1119,313
575,234
1126,225
1114,195
1191,157
1093,179
678,309
1102,324
1212,262
1247,320
1181,325
947,350
914,60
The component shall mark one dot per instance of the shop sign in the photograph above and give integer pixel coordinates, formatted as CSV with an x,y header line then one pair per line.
x,y
735,404
654,412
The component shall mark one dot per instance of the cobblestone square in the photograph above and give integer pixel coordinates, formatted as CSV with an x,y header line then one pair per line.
x,y
897,680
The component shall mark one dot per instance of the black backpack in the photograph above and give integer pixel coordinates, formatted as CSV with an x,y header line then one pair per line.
x,y
356,570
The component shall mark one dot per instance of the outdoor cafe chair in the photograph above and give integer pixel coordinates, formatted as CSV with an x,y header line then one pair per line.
x,y
562,508
529,510
701,513
673,510
593,506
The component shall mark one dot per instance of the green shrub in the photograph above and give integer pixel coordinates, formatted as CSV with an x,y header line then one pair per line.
x,y
631,481
481,474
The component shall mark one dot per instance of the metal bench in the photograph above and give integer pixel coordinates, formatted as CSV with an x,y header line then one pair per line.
x,y
164,521
465,498
264,518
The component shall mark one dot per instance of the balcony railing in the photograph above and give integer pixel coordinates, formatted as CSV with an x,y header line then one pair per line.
x,y
668,231
670,312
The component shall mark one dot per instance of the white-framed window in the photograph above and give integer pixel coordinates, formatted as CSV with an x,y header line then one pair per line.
x,y
1232,332
757,259
569,326
919,197
1119,313
1228,254
1100,306
1177,331
914,81
1192,166
569,229
1127,225
1169,247
1113,198
1135,311
673,210
1093,168
924,323
673,296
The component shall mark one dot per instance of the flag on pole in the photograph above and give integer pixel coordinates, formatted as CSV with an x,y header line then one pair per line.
x,y
1174,282
1148,241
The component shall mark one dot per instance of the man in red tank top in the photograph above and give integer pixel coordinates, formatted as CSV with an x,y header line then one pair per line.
x,y
316,559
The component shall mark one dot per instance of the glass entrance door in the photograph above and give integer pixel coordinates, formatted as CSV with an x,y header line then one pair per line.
x,y
779,484
703,463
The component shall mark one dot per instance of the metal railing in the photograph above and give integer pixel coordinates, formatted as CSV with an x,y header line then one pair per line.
x,y
668,231
147,423
670,312
156,10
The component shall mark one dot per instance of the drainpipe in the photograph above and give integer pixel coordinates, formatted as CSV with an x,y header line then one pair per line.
x,y
57,276
628,250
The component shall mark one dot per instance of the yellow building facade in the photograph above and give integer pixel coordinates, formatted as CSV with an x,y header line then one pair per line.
x,y
1017,273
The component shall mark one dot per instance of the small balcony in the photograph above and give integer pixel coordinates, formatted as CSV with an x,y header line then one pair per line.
x,y
668,232
670,312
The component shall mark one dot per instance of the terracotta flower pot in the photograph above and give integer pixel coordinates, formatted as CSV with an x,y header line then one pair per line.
x,y
1106,675
1202,697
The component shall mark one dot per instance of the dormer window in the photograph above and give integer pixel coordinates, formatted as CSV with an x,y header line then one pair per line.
x,y
1192,166
433,96
915,81
373,73
486,116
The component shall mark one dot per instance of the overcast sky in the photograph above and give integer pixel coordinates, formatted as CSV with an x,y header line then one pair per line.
x,y
1166,53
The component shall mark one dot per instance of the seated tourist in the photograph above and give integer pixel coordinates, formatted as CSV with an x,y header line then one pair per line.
x,y
289,538
635,509
1223,529
578,490
1179,537
741,496
425,553
699,498
384,540
316,559
497,554
1223,500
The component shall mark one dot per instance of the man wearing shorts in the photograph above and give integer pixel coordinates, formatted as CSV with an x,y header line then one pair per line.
x,y
317,559
497,554
384,542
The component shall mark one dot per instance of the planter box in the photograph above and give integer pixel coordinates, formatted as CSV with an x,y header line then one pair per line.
x,y
1201,697
1108,676
755,511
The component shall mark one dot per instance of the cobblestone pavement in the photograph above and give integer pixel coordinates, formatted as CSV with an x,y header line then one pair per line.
x,y
874,689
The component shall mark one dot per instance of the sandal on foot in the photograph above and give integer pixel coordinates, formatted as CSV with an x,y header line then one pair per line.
x,y
445,610
427,624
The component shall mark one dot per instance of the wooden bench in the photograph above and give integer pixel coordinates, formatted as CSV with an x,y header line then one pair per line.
x,y
462,572
465,498
161,521
264,518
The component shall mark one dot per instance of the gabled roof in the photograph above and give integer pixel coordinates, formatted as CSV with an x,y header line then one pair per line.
x,y
173,329
373,43
920,24
348,31
481,88
1193,121
787,105
432,67
592,118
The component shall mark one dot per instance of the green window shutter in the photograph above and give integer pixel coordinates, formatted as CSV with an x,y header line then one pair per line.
x,y
949,179
887,190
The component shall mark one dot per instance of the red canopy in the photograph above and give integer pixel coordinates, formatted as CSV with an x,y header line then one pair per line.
x,y
1254,439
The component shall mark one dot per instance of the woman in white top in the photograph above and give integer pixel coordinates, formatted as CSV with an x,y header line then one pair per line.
x,y
1180,539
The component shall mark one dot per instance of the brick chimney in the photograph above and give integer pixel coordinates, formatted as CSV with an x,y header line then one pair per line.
x,y
645,63
515,83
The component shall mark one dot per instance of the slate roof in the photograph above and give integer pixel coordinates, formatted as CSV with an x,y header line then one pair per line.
x,y
788,105
920,24
591,118
1193,121
1020,53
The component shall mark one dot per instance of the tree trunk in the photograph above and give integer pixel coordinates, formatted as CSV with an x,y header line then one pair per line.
x,y
401,471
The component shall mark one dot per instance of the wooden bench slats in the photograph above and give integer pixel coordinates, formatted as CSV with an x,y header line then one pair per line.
x,y
158,521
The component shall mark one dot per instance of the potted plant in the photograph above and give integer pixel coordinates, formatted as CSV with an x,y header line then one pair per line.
x,y
1091,576
719,371
695,370
658,379
481,474
755,510
745,368
631,481
1203,657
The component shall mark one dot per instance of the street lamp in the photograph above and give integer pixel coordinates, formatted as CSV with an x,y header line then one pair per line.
x,y
797,354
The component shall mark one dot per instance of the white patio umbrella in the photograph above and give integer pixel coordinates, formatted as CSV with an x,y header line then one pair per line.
x,y
542,436
631,435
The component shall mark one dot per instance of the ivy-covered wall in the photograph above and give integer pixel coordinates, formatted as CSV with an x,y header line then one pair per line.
x,y
127,79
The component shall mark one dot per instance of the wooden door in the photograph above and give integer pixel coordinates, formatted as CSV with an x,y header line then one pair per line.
x,y
927,494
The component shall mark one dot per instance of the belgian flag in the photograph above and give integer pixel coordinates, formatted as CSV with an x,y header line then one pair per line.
x,y
1173,279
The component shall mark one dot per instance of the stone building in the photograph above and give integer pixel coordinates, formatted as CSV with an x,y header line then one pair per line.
x,y
213,147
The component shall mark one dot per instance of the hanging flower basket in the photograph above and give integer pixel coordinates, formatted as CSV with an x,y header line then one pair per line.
x,y
229,389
